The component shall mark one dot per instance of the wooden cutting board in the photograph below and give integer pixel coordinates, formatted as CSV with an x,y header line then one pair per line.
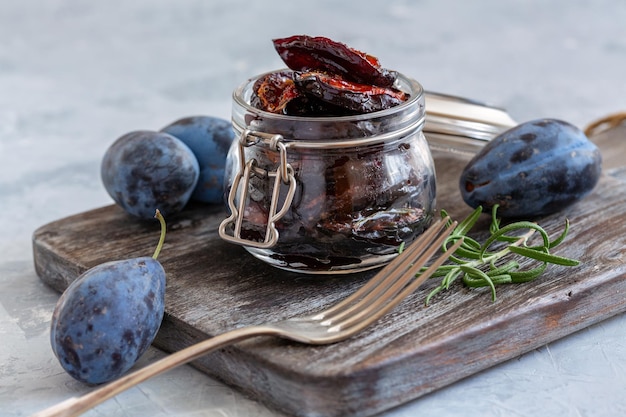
x,y
214,286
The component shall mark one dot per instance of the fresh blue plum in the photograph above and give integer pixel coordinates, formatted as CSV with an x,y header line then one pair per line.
x,y
534,169
107,318
209,138
143,171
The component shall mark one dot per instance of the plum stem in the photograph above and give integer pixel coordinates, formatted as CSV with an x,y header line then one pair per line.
x,y
159,216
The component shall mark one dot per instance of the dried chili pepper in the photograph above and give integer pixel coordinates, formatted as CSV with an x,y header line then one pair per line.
x,y
306,53
356,97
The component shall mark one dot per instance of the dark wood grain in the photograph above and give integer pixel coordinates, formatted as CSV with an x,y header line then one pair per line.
x,y
214,286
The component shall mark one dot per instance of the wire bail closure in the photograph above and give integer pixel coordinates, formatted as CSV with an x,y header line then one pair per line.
x,y
283,176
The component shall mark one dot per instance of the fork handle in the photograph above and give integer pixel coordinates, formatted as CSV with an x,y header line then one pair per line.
x,y
75,406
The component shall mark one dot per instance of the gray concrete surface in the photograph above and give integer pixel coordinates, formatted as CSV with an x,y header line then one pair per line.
x,y
75,75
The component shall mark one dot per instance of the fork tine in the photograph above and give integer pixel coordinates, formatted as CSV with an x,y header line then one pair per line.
x,y
387,276
374,283
380,306
394,280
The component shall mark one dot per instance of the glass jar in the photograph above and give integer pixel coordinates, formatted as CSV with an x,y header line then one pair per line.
x,y
328,194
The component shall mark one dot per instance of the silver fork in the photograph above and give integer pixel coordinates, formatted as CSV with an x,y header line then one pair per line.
x,y
339,322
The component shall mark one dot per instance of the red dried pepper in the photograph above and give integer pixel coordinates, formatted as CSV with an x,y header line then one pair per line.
x,y
306,53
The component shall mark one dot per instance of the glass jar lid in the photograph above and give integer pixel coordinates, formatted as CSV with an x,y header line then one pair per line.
x,y
455,124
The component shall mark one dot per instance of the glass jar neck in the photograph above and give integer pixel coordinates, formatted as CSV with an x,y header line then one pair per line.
x,y
340,131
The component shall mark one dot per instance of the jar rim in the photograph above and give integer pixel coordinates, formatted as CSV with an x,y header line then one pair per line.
x,y
416,94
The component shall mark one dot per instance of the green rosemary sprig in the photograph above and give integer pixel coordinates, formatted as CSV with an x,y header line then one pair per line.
x,y
477,264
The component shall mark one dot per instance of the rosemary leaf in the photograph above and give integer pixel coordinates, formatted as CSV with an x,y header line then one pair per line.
x,y
488,264
543,256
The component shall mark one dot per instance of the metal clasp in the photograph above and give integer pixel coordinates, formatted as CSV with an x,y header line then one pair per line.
x,y
283,176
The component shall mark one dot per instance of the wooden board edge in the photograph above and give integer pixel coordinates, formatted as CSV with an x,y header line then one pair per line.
x,y
51,268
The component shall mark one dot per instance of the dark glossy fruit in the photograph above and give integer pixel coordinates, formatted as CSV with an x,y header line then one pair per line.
x,y
209,138
536,168
354,97
143,171
107,318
